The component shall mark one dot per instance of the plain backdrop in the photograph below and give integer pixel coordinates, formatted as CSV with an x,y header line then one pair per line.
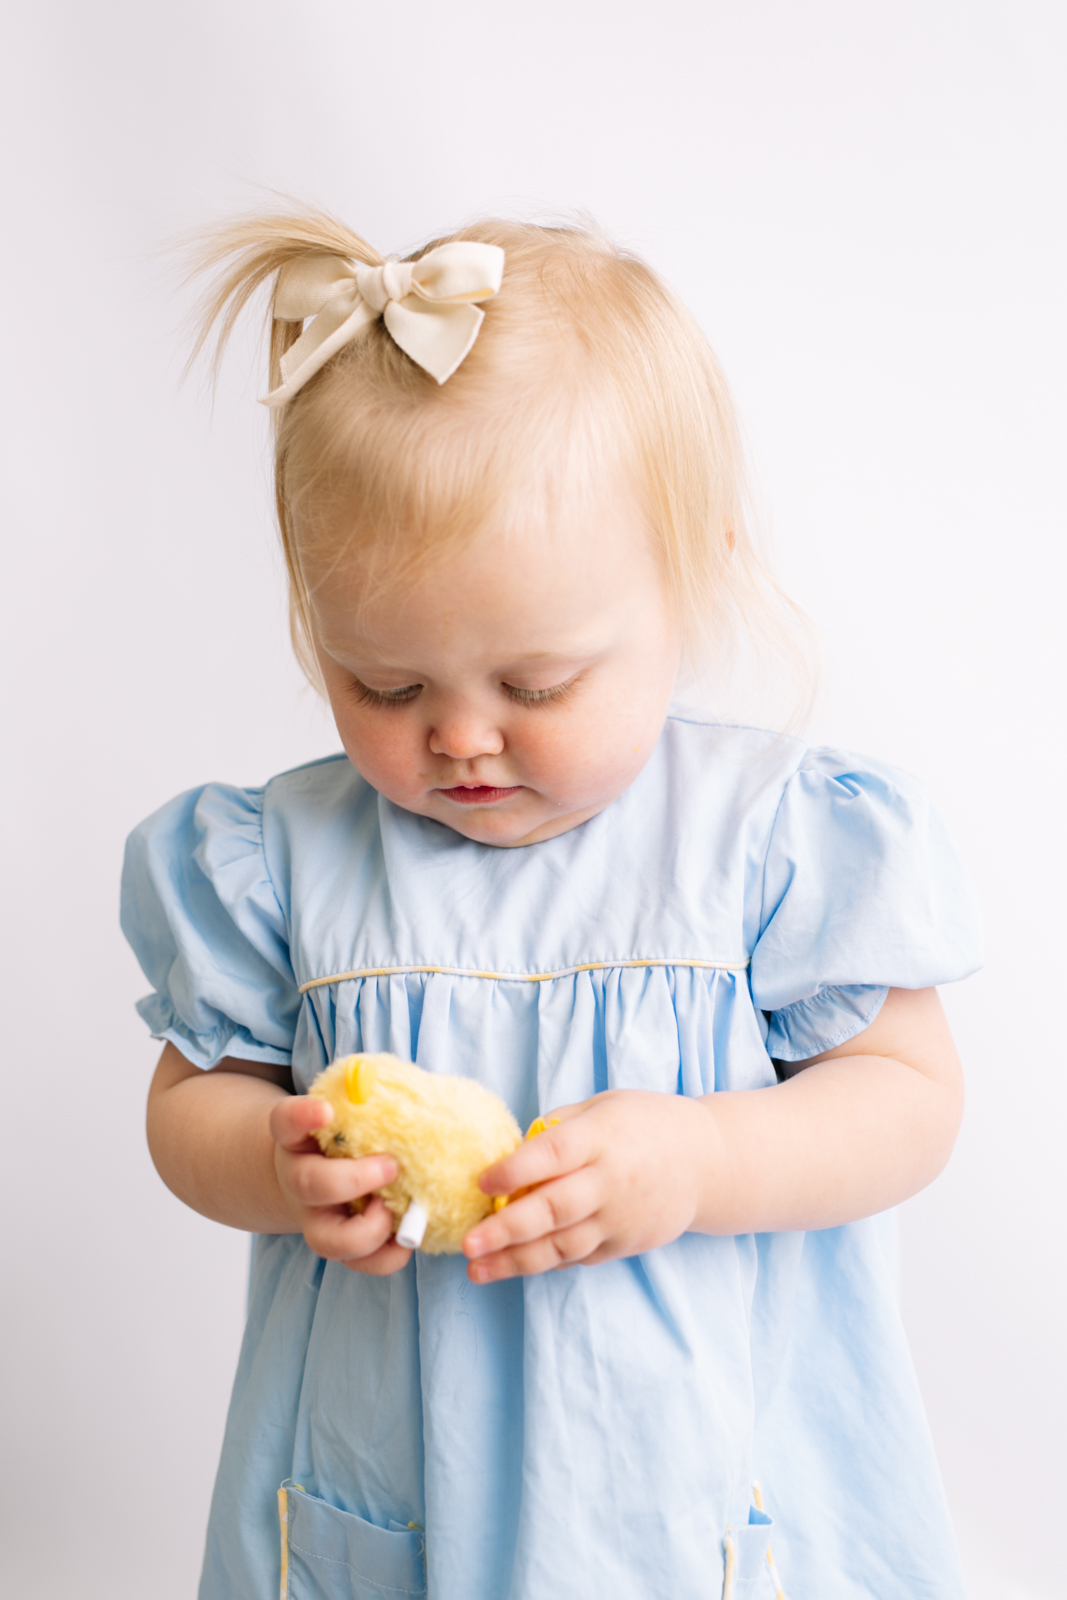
x,y
863,205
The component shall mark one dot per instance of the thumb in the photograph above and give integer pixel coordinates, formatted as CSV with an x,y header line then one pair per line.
x,y
294,1119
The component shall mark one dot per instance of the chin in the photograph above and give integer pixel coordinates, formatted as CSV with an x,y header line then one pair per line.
x,y
496,825
484,828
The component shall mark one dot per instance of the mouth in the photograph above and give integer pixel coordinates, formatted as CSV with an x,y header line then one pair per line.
x,y
478,794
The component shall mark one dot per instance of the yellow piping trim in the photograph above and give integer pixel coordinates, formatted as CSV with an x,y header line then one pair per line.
x,y
730,1553
523,977
283,1520
779,1592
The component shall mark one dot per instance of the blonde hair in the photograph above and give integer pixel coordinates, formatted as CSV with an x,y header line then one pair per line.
x,y
585,362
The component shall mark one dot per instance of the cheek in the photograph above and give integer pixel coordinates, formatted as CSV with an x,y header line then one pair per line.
x,y
594,747
384,749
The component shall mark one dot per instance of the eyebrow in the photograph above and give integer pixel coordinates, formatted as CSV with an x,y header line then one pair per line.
x,y
355,652
549,655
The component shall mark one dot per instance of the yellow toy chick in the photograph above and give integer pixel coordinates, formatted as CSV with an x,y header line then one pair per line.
x,y
444,1131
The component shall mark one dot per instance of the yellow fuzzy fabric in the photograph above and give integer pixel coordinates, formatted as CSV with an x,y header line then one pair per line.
x,y
444,1132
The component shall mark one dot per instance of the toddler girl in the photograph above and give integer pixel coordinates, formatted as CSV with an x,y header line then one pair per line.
x,y
510,499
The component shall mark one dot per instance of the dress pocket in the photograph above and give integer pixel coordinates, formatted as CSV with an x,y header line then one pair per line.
x,y
750,1569
329,1554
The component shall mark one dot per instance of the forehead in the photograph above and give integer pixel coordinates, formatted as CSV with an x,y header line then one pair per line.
x,y
539,580
421,479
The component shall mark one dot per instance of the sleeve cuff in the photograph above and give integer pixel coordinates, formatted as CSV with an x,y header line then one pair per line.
x,y
829,1018
206,1050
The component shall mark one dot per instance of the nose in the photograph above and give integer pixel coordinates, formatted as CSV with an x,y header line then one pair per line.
x,y
462,734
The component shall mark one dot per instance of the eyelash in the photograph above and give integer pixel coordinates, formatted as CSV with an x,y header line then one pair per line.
x,y
539,697
383,697
401,697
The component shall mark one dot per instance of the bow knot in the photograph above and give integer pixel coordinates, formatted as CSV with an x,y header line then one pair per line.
x,y
427,305
379,285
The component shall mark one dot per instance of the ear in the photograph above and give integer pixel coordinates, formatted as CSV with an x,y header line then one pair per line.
x,y
360,1078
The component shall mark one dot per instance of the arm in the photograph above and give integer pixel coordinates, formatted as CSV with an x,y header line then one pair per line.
x,y
235,1144
860,1129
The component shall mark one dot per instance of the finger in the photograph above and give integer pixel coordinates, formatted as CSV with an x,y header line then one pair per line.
x,y
316,1180
337,1236
564,1249
565,1113
293,1119
390,1258
555,1205
549,1155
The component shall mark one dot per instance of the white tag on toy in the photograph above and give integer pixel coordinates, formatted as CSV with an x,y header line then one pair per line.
x,y
412,1227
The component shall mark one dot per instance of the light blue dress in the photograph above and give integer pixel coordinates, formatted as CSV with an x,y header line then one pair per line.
x,y
594,1431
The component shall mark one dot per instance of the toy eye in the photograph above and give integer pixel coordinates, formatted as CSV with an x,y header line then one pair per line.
x,y
338,1139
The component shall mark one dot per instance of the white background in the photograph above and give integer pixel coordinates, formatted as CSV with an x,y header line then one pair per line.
x,y
863,204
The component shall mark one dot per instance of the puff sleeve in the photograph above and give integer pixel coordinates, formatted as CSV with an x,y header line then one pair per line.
x,y
203,918
862,892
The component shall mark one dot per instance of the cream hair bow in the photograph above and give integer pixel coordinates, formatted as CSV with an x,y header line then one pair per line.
x,y
427,305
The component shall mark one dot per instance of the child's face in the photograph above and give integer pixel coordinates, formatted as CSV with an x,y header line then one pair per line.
x,y
516,691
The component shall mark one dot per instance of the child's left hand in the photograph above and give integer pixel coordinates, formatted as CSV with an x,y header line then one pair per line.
x,y
621,1173
858,1130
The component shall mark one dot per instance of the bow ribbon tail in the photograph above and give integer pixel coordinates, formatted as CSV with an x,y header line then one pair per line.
x,y
334,326
436,336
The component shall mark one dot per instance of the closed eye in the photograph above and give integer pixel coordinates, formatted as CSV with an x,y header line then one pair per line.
x,y
383,697
539,697
366,696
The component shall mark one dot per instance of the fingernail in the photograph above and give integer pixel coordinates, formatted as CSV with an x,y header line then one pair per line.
x,y
474,1245
326,1111
389,1170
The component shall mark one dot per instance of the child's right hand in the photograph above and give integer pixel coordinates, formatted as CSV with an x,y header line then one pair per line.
x,y
318,1190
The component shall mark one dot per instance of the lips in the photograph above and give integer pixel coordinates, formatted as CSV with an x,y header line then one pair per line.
x,y
478,794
